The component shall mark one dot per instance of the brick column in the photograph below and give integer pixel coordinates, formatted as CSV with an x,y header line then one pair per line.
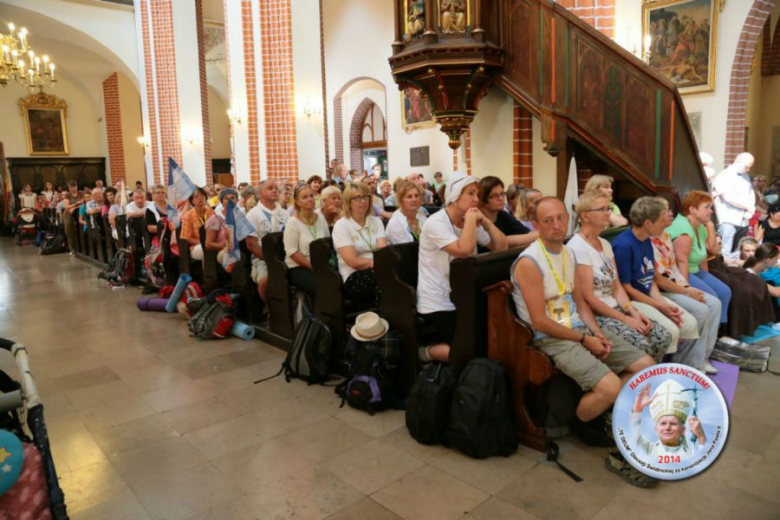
x,y
522,146
740,78
113,117
278,88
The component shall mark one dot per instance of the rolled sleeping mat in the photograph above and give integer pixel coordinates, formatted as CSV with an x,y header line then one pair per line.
x,y
243,331
153,304
178,291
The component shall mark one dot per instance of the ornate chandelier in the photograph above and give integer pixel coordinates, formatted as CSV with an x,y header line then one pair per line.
x,y
36,72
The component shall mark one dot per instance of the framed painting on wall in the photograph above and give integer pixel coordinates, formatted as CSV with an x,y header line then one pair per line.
x,y
44,120
682,37
415,110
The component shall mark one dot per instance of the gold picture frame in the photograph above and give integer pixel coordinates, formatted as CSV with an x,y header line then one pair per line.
x,y
683,37
415,110
44,121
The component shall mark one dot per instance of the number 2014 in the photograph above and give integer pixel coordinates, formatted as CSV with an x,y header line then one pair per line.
x,y
668,459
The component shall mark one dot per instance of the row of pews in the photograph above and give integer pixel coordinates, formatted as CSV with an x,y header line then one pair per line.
x,y
487,325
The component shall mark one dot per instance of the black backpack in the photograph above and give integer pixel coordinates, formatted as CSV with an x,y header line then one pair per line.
x,y
428,403
120,268
53,244
213,316
309,356
482,417
369,386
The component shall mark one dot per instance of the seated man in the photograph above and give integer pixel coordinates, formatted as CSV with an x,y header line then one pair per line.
x,y
566,330
267,217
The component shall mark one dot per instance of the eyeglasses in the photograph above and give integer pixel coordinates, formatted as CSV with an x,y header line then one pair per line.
x,y
605,209
497,196
361,198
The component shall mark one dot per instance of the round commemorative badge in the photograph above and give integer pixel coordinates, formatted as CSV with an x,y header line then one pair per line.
x,y
670,421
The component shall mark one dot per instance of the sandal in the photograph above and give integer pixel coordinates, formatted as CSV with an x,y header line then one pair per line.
x,y
617,465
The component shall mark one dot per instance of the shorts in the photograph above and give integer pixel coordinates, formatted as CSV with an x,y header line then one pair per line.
x,y
578,363
444,322
259,270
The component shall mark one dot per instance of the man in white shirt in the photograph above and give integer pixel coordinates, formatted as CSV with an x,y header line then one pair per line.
x,y
267,217
735,200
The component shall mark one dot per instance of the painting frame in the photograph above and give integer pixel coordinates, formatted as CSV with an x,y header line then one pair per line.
x,y
414,124
45,127
688,60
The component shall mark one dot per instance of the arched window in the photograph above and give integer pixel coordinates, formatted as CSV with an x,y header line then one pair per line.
x,y
374,129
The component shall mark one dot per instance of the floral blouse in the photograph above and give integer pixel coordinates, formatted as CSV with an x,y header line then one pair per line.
x,y
665,261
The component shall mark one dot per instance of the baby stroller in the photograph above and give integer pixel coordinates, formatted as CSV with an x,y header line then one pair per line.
x,y
25,225
17,402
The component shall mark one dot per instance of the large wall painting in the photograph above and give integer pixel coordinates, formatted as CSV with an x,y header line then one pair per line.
x,y
44,121
683,36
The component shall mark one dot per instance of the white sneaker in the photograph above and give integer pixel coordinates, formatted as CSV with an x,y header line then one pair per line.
x,y
709,369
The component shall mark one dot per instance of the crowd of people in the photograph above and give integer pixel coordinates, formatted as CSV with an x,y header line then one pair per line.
x,y
666,287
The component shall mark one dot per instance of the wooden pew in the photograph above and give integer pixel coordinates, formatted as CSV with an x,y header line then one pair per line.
x,y
121,232
330,306
395,268
279,291
509,341
110,243
468,277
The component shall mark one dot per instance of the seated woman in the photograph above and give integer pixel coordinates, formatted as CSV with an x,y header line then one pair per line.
x,y
301,230
769,230
216,228
48,192
27,198
764,259
355,238
385,190
525,206
192,221
315,183
330,205
745,249
492,205
603,184
635,262
689,237
407,222
452,232
705,307
158,210
599,284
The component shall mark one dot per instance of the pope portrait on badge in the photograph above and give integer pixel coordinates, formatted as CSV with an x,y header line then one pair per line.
x,y
670,409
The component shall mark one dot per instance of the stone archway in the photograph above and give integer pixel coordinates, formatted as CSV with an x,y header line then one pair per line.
x,y
338,112
356,132
740,78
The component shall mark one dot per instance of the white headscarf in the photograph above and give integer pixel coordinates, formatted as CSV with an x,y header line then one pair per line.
x,y
455,186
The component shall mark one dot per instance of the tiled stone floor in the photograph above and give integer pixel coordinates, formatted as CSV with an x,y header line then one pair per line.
x,y
148,423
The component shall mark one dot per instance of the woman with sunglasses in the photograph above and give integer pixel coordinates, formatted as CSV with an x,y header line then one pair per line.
x,y
356,237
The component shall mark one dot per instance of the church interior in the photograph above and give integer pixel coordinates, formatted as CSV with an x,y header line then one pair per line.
x,y
241,102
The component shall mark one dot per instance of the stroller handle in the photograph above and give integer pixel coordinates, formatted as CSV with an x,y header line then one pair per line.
x,y
29,388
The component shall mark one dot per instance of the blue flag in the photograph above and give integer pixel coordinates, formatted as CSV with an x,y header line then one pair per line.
x,y
180,187
238,228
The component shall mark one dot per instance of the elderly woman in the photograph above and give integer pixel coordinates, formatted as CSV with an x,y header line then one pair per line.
x,y
301,230
356,237
635,261
492,205
216,227
385,189
195,218
603,184
675,285
689,237
525,206
407,222
158,209
769,230
248,199
452,232
331,205
598,281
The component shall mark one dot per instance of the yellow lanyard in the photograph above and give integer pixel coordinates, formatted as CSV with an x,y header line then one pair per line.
x,y
561,282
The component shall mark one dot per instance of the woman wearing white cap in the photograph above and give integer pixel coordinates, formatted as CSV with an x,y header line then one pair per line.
x,y
451,233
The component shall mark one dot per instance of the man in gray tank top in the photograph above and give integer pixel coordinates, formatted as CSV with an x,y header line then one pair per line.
x,y
566,330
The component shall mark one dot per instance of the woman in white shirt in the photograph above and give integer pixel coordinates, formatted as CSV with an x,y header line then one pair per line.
x,y
355,238
597,277
406,223
453,232
301,230
27,197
